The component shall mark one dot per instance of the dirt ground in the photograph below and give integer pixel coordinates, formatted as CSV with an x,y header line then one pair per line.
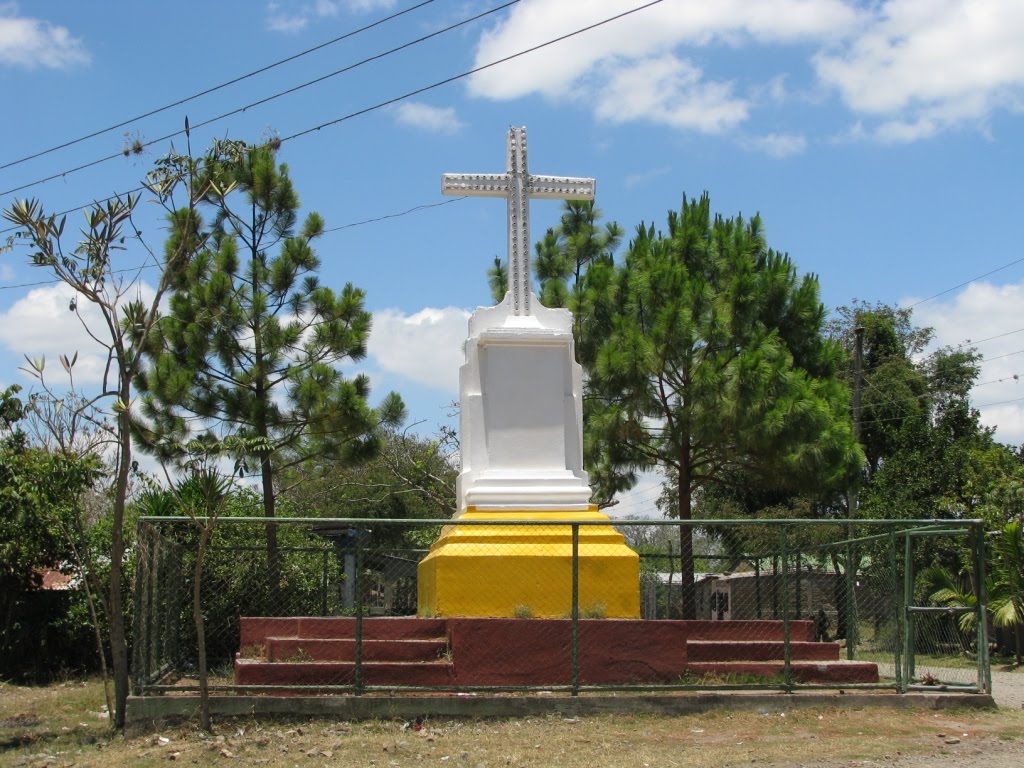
x,y
63,725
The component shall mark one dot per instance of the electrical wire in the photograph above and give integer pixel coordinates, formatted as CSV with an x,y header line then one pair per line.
x,y
966,282
473,71
218,87
350,225
408,95
246,107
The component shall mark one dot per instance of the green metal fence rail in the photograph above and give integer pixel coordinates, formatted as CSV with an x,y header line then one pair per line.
x,y
858,585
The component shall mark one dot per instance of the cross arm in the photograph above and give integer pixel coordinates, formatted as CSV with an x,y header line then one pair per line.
x,y
475,184
561,188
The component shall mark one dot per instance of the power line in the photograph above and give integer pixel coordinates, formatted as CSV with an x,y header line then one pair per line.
x,y
1000,357
408,95
265,100
970,343
218,87
1012,377
473,71
966,282
350,225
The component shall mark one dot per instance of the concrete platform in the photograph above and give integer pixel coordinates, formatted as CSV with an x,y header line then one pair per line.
x,y
148,713
461,653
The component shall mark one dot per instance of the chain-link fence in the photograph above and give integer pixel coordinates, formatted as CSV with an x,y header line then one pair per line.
x,y
353,606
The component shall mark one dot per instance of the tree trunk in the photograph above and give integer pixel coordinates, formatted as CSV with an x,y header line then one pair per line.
x,y
118,641
273,553
688,609
87,571
197,617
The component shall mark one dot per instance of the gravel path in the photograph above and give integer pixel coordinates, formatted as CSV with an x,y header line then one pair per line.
x,y
1007,687
984,752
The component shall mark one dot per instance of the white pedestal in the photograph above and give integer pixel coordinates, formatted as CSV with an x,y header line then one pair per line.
x,y
521,421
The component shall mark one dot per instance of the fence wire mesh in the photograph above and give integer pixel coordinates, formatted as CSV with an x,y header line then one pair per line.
x,y
349,606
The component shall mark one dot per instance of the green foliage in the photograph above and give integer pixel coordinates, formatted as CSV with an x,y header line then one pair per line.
x,y
715,360
927,455
711,358
251,341
41,632
411,477
1004,585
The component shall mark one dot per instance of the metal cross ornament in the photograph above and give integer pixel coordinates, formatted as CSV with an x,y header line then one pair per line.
x,y
517,186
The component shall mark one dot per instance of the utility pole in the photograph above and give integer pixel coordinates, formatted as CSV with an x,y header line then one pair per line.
x,y
850,614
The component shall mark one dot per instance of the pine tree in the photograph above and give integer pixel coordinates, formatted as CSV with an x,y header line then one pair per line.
x,y
712,359
251,342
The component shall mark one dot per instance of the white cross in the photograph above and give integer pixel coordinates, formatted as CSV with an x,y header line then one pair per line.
x,y
517,186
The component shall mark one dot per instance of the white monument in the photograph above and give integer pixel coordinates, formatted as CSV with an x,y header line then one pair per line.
x,y
521,425
521,418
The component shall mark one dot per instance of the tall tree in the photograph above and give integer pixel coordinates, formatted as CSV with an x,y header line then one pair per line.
x,y
127,314
714,360
251,340
927,453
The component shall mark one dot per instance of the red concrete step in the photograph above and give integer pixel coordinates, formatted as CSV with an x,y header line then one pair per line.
x,y
772,650
417,673
321,649
802,671
750,629
256,629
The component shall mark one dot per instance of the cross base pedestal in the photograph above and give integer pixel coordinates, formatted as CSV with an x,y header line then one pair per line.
x,y
525,570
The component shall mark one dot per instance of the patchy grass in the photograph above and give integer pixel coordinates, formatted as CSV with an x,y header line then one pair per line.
x,y
64,717
62,725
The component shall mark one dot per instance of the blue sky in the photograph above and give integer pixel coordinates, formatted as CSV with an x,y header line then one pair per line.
x,y
881,142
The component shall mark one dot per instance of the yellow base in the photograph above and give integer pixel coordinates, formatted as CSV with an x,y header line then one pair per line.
x,y
526,571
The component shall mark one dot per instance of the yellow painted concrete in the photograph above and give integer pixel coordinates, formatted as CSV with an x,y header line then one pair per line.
x,y
504,570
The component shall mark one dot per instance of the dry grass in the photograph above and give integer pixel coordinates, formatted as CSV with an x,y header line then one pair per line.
x,y
62,725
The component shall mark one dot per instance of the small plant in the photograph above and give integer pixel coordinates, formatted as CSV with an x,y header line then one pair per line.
x,y
445,655
300,655
522,612
593,611
254,651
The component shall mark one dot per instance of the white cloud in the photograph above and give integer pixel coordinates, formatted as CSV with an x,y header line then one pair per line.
x,y
41,325
926,65
364,6
30,43
777,144
641,500
291,17
431,119
6,273
425,347
912,68
979,312
621,53
669,91
641,179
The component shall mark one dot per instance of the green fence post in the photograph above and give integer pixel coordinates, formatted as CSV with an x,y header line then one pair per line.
x,y
140,646
851,618
908,617
897,651
787,675
357,539
575,609
798,602
323,583
757,584
984,664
